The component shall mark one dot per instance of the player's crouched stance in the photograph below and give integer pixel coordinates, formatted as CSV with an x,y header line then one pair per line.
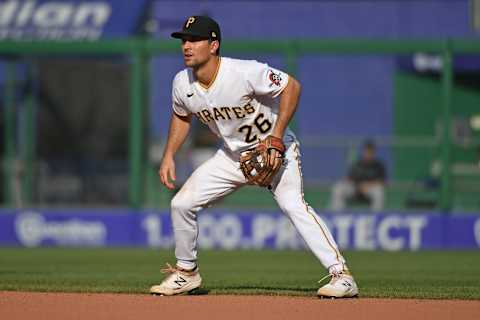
x,y
248,105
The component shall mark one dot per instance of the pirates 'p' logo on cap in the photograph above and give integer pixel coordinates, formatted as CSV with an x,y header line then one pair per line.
x,y
199,27
189,22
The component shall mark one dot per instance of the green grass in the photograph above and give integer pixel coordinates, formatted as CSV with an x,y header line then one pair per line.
x,y
454,275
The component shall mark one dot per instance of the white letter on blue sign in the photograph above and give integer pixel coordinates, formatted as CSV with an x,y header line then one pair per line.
x,y
287,236
206,231
476,230
384,240
364,233
228,232
7,10
153,227
53,14
98,13
416,224
263,227
343,224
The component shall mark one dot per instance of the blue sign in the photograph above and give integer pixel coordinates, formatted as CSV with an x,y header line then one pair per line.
x,y
71,19
236,230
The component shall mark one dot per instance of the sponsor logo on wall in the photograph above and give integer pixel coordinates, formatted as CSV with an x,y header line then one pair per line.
x,y
368,232
235,230
33,230
30,19
230,231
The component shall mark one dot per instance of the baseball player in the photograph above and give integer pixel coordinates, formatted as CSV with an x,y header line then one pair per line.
x,y
248,105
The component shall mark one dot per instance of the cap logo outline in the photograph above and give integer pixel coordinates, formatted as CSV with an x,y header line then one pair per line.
x,y
190,21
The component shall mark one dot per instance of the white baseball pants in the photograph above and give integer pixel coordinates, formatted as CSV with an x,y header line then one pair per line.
x,y
221,175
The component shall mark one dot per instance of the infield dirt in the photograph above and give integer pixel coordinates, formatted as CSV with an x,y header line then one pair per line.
x,y
53,306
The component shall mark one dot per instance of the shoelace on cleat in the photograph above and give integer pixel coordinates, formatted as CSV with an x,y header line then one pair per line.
x,y
168,269
334,277
172,270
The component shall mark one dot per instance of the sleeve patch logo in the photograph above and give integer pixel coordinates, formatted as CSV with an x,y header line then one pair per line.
x,y
275,78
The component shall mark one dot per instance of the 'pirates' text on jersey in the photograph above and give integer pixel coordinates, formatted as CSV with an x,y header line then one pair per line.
x,y
241,104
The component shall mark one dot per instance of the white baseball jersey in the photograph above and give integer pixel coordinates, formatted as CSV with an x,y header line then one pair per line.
x,y
241,104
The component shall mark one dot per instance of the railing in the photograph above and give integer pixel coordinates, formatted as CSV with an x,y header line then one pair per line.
x,y
141,50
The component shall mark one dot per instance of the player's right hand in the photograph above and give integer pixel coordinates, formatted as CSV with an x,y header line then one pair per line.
x,y
167,173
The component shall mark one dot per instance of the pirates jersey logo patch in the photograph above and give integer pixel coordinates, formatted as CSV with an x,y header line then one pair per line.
x,y
275,78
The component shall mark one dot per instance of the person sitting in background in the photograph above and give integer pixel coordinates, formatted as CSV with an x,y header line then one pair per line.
x,y
365,180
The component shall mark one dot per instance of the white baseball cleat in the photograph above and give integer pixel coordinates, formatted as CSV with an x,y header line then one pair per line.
x,y
341,285
179,281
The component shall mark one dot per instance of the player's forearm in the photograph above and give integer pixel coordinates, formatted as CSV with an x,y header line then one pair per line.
x,y
179,127
288,105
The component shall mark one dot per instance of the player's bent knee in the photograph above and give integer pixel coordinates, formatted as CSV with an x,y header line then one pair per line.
x,y
180,203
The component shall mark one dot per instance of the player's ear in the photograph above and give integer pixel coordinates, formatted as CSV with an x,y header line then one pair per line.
x,y
214,45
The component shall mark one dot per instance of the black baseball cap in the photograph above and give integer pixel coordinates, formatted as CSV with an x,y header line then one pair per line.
x,y
201,27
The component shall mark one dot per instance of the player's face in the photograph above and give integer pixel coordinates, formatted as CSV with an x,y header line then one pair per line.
x,y
196,52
